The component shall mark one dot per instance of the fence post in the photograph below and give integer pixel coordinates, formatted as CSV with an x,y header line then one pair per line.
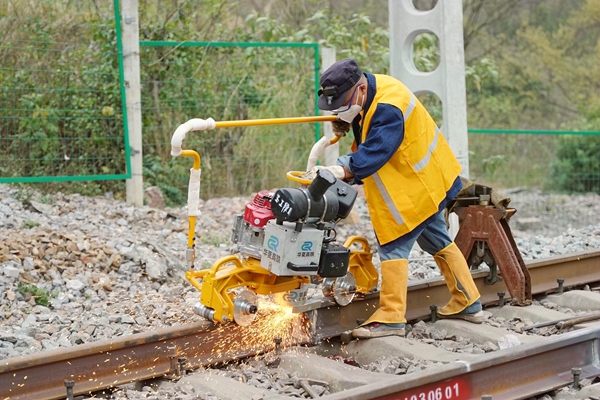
x,y
332,152
131,69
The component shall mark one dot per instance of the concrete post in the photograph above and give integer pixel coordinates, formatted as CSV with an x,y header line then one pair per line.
x,y
131,69
448,81
328,58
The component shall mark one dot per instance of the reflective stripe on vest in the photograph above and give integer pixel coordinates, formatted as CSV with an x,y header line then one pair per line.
x,y
425,160
385,195
411,106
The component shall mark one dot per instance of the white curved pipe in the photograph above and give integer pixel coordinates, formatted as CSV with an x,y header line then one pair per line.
x,y
316,151
195,124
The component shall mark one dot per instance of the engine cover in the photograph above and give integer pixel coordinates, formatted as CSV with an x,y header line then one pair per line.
x,y
258,212
247,230
287,252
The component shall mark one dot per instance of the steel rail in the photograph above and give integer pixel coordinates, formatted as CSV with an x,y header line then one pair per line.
x,y
110,363
575,269
100,365
515,373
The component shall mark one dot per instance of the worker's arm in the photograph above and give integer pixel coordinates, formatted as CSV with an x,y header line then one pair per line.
x,y
385,136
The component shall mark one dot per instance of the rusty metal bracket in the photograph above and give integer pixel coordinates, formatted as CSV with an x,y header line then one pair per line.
x,y
176,362
484,236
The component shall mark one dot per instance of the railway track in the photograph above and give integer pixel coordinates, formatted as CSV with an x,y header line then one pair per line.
x,y
318,335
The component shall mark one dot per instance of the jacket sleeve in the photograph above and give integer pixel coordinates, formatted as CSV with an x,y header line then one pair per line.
x,y
383,139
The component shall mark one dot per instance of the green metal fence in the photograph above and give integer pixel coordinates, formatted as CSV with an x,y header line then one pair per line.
x,y
62,110
61,114
550,161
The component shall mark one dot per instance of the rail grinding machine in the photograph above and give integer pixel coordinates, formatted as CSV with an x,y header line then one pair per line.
x,y
285,239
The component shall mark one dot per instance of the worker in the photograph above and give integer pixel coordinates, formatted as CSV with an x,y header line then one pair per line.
x,y
409,173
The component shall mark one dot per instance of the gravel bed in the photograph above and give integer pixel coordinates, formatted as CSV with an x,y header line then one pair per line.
x,y
77,269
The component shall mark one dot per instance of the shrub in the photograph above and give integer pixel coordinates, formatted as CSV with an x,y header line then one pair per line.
x,y
577,165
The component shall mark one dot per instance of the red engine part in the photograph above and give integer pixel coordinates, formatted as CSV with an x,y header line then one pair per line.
x,y
258,212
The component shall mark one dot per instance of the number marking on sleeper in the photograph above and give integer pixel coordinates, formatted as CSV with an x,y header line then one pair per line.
x,y
452,389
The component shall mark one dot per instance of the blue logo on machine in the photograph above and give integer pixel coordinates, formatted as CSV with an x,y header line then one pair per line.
x,y
306,250
273,243
306,246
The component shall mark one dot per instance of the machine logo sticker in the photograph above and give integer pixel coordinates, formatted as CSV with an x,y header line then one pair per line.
x,y
306,250
295,296
306,246
273,243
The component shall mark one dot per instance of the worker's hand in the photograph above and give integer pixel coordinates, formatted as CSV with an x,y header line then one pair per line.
x,y
340,128
337,170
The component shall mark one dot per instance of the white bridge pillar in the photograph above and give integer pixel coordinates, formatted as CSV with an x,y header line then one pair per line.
x,y
447,81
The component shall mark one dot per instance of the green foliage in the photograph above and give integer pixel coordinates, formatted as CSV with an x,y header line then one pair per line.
x,y
59,79
166,176
205,266
41,296
544,75
546,58
480,72
214,240
577,164
426,52
247,85
46,199
24,194
492,163
530,65
28,224
356,37
510,160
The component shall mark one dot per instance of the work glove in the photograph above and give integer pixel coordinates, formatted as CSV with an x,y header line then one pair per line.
x,y
340,128
337,170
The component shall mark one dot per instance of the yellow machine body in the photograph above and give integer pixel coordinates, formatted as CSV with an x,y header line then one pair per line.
x,y
220,285
361,265
217,285
231,272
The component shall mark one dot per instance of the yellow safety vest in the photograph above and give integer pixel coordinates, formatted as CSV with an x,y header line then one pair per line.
x,y
409,188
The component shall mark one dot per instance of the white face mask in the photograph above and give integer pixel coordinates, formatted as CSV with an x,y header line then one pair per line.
x,y
349,112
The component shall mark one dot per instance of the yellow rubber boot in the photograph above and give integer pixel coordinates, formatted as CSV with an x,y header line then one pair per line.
x,y
392,302
458,278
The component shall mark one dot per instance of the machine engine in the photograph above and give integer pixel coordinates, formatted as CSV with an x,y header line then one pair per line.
x,y
284,239
248,228
290,230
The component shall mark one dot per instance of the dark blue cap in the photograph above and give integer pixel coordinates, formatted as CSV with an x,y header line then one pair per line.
x,y
336,82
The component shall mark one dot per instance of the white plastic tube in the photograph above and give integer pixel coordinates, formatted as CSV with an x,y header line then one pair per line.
x,y
194,193
316,151
195,124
